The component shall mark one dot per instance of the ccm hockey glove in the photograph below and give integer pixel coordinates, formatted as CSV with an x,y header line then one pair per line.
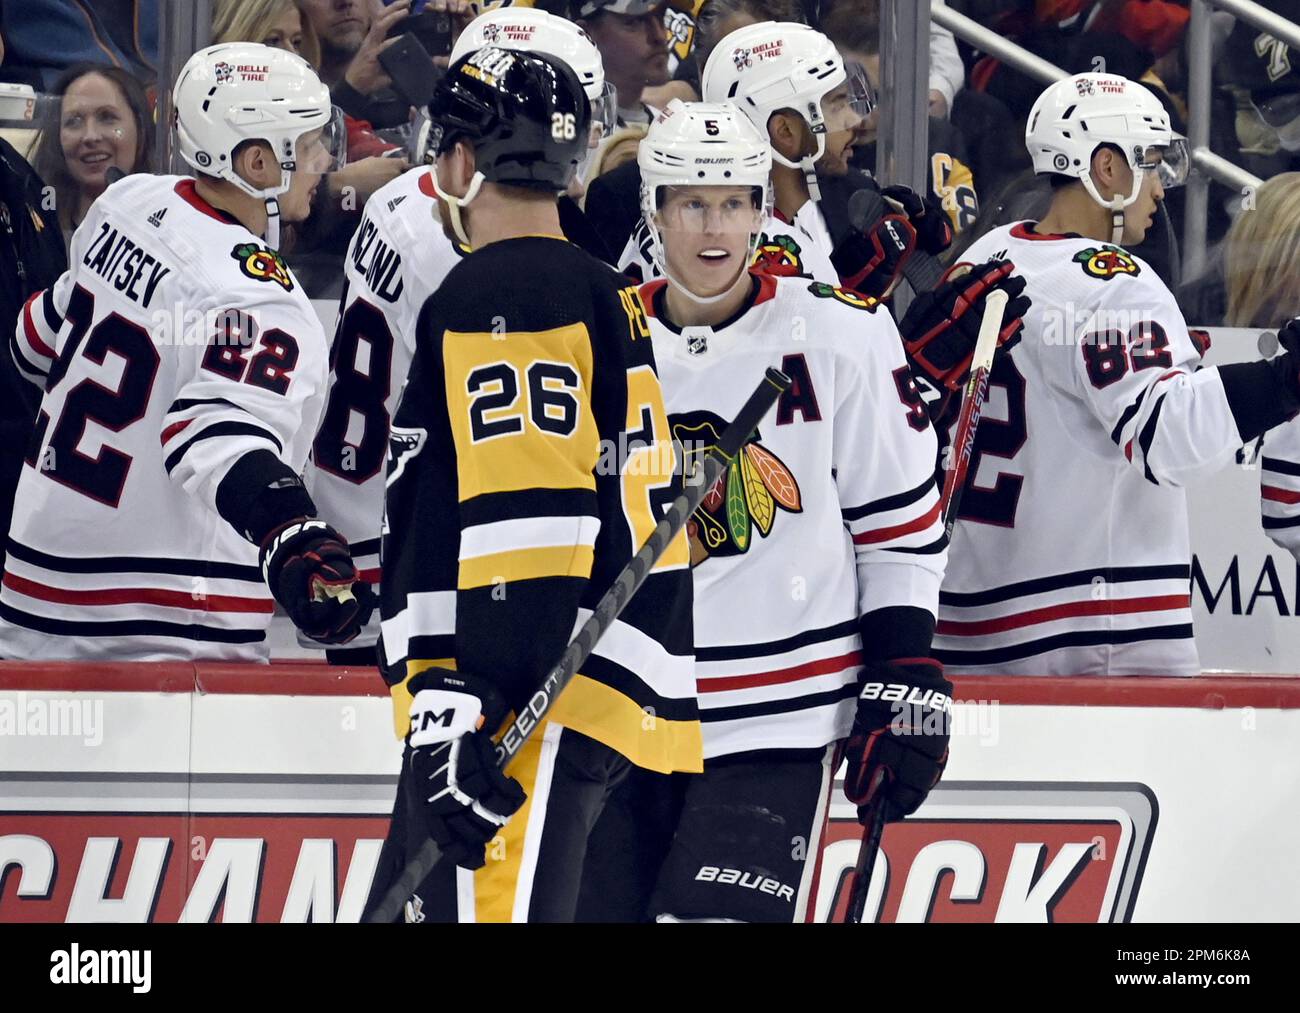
x,y
308,567
933,229
453,785
899,742
871,261
941,326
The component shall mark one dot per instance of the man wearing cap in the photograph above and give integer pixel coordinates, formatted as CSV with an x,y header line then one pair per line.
x,y
633,45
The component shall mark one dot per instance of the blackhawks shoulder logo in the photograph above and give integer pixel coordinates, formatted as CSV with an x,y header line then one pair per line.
x,y
263,265
746,497
779,255
1107,262
823,291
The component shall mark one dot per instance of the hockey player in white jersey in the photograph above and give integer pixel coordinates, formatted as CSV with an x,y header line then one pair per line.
x,y
398,257
1071,555
161,514
817,558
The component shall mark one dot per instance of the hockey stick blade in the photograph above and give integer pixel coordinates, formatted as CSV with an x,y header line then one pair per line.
x,y
774,384
972,404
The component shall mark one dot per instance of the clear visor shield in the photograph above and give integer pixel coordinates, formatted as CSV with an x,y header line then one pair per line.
x,y
1282,114
861,96
1171,163
604,111
711,211
325,149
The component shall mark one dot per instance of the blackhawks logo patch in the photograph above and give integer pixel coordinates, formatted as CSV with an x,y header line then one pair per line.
x,y
779,255
263,265
745,499
1107,262
823,291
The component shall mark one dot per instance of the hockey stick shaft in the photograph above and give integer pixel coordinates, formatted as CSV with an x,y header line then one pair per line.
x,y
972,404
873,830
611,604
963,442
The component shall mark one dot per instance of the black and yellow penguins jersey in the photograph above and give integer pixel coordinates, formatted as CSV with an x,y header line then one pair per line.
x,y
530,458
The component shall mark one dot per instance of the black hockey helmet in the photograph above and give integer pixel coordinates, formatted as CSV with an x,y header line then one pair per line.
x,y
526,116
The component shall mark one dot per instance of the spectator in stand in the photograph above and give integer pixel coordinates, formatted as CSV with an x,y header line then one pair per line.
x,y
854,27
101,121
352,34
633,46
1261,263
32,257
45,37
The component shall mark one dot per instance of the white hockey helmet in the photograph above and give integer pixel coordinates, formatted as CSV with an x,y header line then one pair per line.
x,y
242,91
535,30
702,144
1076,115
776,65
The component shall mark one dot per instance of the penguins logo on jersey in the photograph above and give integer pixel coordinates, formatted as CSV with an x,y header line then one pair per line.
x,y
403,446
262,264
779,255
1106,263
746,496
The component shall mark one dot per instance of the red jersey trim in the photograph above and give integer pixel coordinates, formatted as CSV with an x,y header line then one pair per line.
x,y
186,191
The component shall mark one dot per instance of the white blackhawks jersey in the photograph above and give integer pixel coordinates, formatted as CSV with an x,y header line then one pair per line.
x,y
801,247
1279,478
830,512
175,344
397,258
1071,553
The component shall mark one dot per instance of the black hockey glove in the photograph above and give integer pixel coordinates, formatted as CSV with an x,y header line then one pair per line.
x,y
453,785
941,326
899,741
308,567
871,261
927,216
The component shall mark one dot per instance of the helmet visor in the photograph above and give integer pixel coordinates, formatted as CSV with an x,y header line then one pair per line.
x,y
326,149
709,210
862,97
1171,163
604,111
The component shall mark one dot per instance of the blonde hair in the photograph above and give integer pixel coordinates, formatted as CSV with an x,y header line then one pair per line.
x,y
251,21
1262,257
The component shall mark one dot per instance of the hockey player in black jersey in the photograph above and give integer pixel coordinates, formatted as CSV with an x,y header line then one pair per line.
x,y
529,456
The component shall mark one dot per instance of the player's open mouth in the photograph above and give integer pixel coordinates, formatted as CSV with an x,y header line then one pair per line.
x,y
714,256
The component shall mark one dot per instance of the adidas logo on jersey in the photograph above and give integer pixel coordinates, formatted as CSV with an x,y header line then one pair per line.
x,y
156,218
395,201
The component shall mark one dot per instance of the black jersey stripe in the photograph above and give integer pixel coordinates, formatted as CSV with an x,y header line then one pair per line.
x,y
1117,433
618,678
1055,582
737,652
365,547
1274,523
929,549
895,502
221,429
130,628
185,404
52,319
134,564
1281,467
788,705
1082,638
1146,438
510,506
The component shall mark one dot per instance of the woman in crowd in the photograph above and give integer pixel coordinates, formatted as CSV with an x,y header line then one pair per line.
x,y
101,121
1262,257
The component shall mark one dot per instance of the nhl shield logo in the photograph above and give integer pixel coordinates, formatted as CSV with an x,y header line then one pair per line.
x,y
697,340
